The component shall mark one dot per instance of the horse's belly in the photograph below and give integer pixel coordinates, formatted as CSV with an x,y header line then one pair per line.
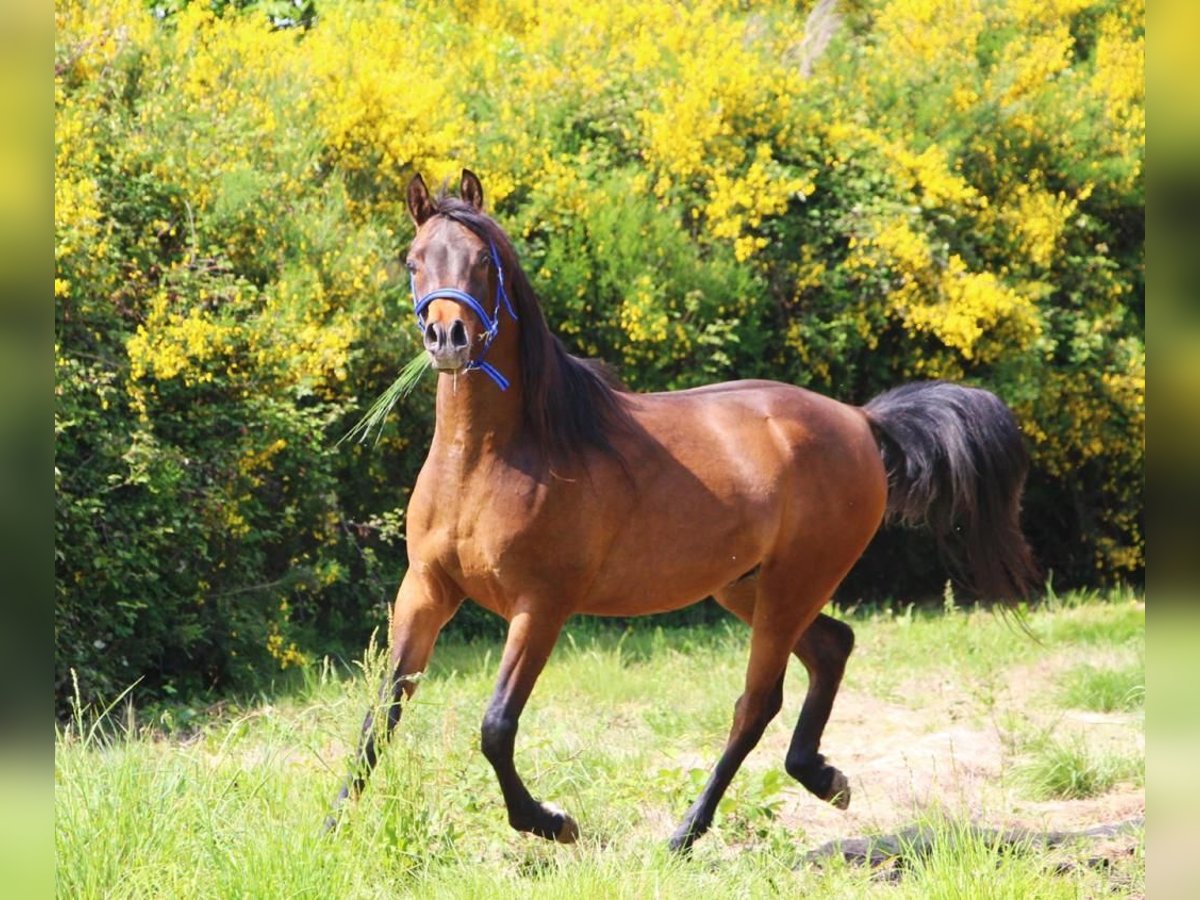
x,y
672,567
654,597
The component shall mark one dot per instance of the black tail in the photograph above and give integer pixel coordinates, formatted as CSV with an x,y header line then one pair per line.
x,y
956,461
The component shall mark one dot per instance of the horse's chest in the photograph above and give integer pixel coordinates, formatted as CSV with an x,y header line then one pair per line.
x,y
505,541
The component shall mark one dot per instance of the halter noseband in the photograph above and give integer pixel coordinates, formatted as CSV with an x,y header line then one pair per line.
x,y
491,324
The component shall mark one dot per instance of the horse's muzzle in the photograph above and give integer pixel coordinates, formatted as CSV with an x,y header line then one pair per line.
x,y
448,344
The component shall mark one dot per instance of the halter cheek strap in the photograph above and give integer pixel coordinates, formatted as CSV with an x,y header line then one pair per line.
x,y
491,324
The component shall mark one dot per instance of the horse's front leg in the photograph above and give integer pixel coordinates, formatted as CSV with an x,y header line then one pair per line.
x,y
530,640
422,608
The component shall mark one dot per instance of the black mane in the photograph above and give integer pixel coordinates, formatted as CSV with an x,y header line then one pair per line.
x,y
570,404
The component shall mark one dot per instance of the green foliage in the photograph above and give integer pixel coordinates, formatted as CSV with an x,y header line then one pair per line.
x,y
700,192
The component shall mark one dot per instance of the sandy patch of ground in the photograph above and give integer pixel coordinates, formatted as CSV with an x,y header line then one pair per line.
x,y
904,764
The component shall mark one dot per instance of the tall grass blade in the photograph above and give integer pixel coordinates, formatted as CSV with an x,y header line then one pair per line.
x,y
397,391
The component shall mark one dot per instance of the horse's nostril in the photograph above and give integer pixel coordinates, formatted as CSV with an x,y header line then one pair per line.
x,y
431,336
458,334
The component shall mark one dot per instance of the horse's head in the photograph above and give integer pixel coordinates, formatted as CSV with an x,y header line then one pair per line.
x,y
457,280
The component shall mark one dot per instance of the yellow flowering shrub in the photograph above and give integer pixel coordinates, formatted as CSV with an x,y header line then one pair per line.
x,y
841,195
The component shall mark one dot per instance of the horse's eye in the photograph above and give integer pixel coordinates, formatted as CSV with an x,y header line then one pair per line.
x,y
411,266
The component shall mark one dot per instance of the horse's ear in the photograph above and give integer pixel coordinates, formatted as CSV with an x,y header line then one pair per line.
x,y
472,190
420,207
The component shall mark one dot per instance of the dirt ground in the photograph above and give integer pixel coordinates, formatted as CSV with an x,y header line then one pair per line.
x,y
904,764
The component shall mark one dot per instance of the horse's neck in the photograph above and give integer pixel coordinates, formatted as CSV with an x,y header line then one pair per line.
x,y
474,418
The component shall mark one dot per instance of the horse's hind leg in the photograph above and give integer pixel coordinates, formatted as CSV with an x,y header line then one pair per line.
x,y
824,649
417,619
530,641
758,705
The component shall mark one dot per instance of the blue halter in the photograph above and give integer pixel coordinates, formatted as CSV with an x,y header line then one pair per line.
x,y
491,324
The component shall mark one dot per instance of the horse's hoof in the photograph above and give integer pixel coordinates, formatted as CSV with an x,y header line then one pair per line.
x,y
688,832
568,832
681,843
839,791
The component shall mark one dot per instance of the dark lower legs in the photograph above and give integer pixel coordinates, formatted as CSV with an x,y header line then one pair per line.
x,y
417,620
525,653
391,695
752,714
824,649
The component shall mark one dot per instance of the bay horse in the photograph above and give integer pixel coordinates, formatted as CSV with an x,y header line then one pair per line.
x,y
549,491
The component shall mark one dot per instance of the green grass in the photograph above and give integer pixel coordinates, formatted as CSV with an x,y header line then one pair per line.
x,y
1105,688
620,732
1070,769
960,862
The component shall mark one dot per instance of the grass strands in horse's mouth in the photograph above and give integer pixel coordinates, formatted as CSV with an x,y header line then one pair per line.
x,y
397,391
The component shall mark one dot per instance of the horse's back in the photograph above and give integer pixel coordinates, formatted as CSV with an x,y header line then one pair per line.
x,y
769,440
766,418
